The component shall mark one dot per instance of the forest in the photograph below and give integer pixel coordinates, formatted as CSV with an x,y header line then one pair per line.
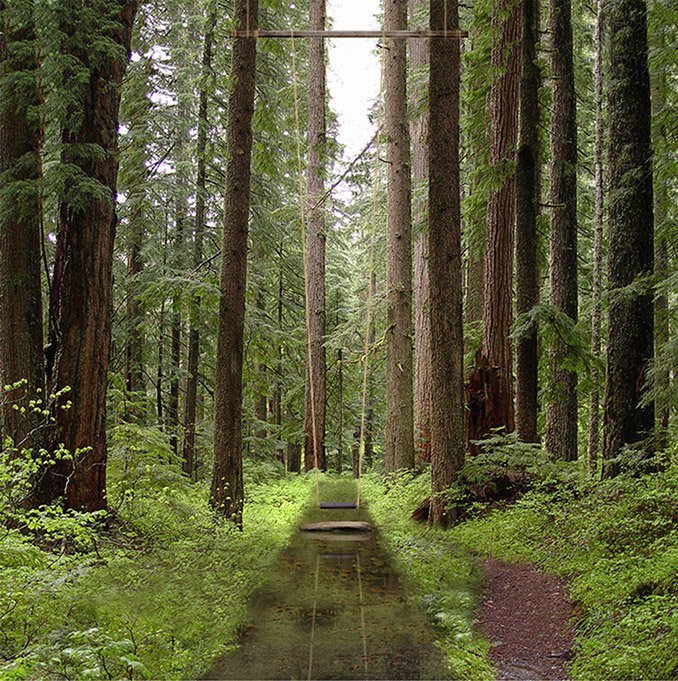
x,y
274,409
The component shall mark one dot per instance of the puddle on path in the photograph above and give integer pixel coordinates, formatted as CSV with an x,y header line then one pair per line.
x,y
307,628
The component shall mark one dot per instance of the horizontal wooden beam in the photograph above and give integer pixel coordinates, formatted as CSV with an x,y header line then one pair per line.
x,y
349,34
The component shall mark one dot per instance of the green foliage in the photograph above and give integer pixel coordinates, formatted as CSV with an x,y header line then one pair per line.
x,y
160,593
442,577
616,544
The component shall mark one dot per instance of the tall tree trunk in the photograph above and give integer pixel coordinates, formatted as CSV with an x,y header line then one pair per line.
x,y
340,403
447,337
631,232
277,401
227,483
527,208
21,342
80,300
475,271
498,275
422,322
314,443
193,364
399,435
135,343
561,412
293,453
594,406
173,419
160,374
261,385
340,394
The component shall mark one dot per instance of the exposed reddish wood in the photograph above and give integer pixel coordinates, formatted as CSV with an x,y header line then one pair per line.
x,y
484,407
80,301
499,238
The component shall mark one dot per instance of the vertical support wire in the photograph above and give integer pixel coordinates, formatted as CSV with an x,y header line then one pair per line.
x,y
362,614
313,617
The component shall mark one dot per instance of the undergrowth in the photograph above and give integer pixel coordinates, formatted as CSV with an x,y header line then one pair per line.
x,y
613,541
441,576
157,589
616,544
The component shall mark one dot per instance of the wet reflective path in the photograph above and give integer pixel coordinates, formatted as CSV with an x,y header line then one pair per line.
x,y
334,609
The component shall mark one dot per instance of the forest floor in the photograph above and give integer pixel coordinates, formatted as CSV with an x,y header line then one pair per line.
x,y
158,589
574,580
334,608
527,616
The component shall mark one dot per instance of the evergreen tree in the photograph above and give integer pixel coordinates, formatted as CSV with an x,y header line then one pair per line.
x,y
314,443
561,415
627,418
95,44
21,343
447,338
227,479
399,442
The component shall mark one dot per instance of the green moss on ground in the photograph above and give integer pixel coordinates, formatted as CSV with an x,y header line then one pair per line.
x,y
159,597
615,542
441,575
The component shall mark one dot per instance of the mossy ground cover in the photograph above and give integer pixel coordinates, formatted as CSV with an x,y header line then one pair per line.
x,y
442,576
158,593
614,542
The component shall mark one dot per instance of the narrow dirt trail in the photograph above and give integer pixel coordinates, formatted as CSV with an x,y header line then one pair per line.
x,y
527,616
334,608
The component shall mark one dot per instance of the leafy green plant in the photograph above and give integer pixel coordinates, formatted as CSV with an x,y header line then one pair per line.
x,y
442,577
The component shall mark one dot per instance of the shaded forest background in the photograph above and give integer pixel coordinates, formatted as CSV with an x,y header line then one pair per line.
x,y
117,188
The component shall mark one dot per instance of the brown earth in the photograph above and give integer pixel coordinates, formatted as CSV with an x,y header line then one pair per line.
x,y
527,616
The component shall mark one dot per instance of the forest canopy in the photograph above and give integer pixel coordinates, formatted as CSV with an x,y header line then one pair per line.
x,y
204,299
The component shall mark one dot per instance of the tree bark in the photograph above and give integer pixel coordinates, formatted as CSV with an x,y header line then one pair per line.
x,y
561,412
340,403
475,272
135,343
314,443
81,294
227,483
293,453
422,323
399,431
21,340
193,364
277,401
631,232
527,240
447,337
594,404
173,420
261,383
499,237
160,374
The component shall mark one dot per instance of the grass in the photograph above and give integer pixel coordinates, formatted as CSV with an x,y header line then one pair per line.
x,y
614,542
159,589
442,576
159,597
